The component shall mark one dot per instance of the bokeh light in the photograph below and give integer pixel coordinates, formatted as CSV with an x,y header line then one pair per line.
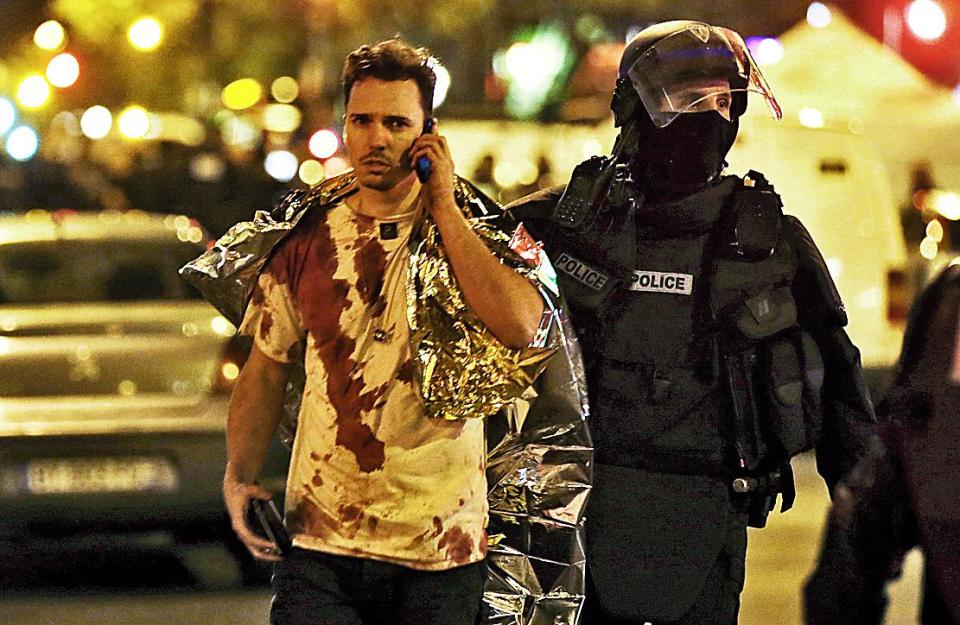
x,y
935,230
8,115
929,248
207,167
312,171
241,94
145,34
22,143
926,19
324,143
819,15
240,133
281,117
944,203
443,83
281,165
811,118
33,92
49,35
96,121
285,89
134,122
335,165
63,70
766,50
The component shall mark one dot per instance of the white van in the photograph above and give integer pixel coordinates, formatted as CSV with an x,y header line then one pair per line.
x,y
831,179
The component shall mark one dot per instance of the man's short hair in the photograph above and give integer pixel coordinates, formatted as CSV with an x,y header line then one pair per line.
x,y
393,59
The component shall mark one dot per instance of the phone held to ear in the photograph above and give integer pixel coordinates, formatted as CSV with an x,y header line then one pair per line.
x,y
265,520
423,163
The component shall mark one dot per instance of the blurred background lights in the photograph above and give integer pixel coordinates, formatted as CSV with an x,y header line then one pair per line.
x,y
811,118
133,122
145,34
281,165
522,62
335,165
281,117
443,84
818,15
33,91
49,35
929,248
766,50
8,115
324,143
311,172
207,167
22,143
284,89
241,94
240,133
63,70
926,19
935,230
946,204
96,121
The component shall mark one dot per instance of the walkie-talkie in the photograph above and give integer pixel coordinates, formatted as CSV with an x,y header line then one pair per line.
x,y
423,163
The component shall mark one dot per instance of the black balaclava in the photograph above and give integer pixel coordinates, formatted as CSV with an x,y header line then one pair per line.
x,y
683,157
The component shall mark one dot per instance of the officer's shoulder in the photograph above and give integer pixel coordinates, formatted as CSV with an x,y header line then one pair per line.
x,y
537,206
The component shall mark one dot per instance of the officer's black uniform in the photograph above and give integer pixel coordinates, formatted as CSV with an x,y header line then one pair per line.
x,y
905,492
714,345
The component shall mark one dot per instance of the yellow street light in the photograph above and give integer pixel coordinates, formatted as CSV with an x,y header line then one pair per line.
x,y
284,89
49,35
33,92
134,122
145,34
63,70
241,94
96,121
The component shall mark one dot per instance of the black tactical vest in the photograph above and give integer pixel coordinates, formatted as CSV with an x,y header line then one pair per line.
x,y
695,360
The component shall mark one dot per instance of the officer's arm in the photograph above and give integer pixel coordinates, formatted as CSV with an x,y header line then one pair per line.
x,y
534,211
848,416
869,530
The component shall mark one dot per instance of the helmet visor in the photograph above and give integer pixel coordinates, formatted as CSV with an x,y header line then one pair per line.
x,y
698,69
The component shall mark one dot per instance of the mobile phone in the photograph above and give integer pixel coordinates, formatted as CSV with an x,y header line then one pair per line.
x,y
266,521
423,163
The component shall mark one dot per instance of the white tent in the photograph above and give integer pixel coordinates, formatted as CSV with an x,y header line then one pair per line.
x,y
858,83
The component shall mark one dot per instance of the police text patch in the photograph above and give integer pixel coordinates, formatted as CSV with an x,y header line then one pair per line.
x,y
581,272
659,282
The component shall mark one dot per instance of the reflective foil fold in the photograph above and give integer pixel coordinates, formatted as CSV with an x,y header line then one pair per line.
x,y
539,463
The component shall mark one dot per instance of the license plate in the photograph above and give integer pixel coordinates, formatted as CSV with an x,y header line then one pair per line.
x,y
48,476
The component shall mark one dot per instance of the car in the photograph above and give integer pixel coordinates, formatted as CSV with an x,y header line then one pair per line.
x,y
115,380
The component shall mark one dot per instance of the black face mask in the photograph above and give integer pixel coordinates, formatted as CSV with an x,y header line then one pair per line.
x,y
685,156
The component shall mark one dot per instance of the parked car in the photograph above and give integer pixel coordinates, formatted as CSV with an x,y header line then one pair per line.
x,y
114,378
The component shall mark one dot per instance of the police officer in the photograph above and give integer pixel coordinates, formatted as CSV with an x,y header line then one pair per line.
x,y
905,492
712,332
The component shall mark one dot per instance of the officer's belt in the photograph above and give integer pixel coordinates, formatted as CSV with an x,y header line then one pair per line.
x,y
657,461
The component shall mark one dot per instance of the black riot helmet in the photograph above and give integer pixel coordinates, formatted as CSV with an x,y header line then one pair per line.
x,y
681,90
675,67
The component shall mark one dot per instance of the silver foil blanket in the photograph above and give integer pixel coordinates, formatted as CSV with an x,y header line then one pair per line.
x,y
539,463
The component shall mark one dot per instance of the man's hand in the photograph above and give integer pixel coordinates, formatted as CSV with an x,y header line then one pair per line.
x,y
237,496
439,187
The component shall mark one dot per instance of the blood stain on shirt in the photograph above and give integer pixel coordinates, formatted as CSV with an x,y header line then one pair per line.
x,y
457,544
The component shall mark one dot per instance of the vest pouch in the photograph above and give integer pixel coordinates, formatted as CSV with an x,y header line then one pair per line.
x,y
792,378
767,313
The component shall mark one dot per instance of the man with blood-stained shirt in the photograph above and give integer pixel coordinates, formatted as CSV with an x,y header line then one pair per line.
x,y
386,507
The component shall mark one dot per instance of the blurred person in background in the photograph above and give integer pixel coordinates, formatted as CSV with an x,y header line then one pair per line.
x,y
387,506
905,492
712,332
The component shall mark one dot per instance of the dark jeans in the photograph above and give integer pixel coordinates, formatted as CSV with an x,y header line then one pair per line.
x,y
314,588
